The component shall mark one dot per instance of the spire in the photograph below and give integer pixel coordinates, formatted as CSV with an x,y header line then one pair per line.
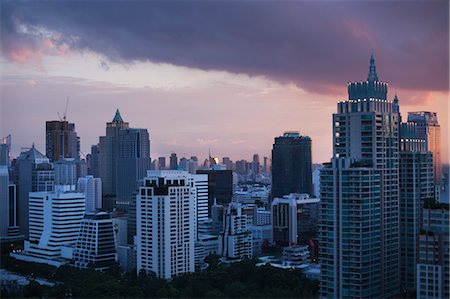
x,y
117,118
372,70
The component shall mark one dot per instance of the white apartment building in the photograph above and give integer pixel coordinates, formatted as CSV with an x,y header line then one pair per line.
x,y
92,189
166,223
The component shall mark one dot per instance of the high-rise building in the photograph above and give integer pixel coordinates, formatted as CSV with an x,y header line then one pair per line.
x,y
92,189
235,241
35,173
291,165
166,223
161,163
433,256
266,165
133,161
93,161
55,219
9,229
108,152
416,186
61,140
429,129
220,186
294,218
66,171
173,161
359,230
95,246
5,151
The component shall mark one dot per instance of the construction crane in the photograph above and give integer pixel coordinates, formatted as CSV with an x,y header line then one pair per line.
x,y
65,112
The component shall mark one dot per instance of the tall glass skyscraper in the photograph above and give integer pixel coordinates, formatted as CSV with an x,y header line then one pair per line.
x,y
359,222
291,165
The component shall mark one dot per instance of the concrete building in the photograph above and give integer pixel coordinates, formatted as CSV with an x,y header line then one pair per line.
x,y
292,214
133,161
360,201
61,140
220,186
166,223
428,128
92,189
262,235
5,151
35,174
235,241
433,255
95,246
55,219
291,165
416,186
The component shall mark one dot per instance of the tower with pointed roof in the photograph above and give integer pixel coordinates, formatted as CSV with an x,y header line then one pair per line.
x,y
359,222
108,148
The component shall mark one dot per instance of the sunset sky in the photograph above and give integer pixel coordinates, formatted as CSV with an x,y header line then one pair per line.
x,y
229,76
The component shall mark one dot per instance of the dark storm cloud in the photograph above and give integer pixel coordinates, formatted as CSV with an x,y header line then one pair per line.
x,y
318,46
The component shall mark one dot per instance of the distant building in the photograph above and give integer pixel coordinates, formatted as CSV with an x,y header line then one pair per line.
x,y
220,186
296,255
235,241
434,253
92,189
5,151
429,129
61,140
133,161
161,163
262,235
173,161
292,214
291,165
108,148
166,224
95,246
35,174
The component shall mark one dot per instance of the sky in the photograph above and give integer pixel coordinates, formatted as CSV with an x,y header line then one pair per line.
x,y
228,76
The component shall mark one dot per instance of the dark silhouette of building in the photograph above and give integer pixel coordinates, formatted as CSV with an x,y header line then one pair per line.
x,y
173,161
291,165
61,140
220,186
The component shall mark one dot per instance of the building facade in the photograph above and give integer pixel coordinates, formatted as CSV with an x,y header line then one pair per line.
x,y
366,149
61,140
166,224
92,189
291,165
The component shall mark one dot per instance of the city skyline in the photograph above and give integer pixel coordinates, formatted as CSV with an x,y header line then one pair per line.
x,y
220,91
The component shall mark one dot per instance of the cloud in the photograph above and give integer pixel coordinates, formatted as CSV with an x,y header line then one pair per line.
x,y
207,141
317,46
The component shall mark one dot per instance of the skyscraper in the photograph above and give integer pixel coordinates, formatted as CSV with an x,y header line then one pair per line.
x,y
35,174
161,163
92,189
220,186
166,223
133,161
359,222
416,186
61,140
429,129
291,165
173,161
108,150
5,151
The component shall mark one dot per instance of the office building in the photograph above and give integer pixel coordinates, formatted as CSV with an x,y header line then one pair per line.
x,y
291,165
93,161
235,241
220,186
55,219
429,129
95,246
359,222
262,236
5,151
161,163
173,161
92,189
433,252
166,224
4,201
293,218
108,148
416,186
133,161
35,173
61,140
